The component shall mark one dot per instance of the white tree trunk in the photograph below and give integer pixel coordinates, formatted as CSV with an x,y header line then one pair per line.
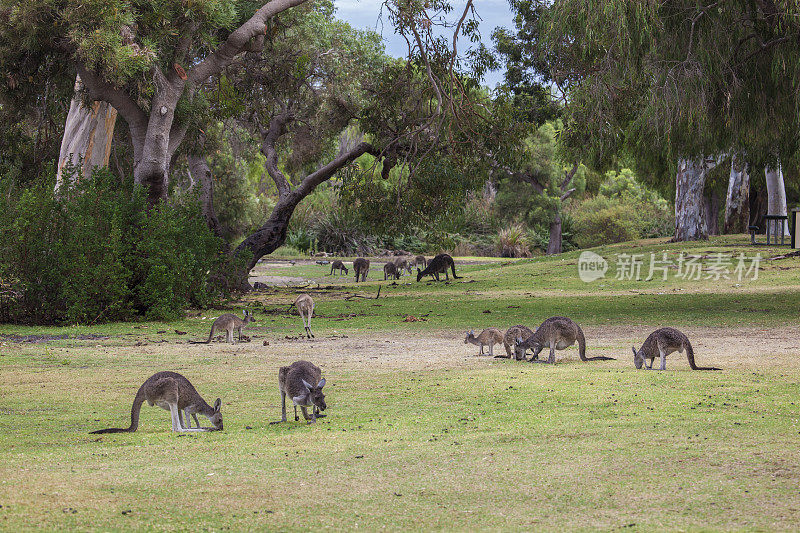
x,y
87,135
776,193
737,201
690,212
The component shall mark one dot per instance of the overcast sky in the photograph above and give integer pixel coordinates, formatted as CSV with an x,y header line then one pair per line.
x,y
365,14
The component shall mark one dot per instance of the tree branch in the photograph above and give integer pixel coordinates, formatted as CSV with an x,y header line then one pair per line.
x,y
277,127
315,178
99,89
568,177
239,39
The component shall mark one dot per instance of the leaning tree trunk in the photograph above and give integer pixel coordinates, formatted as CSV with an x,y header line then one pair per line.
x,y
200,172
690,220
88,134
554,244
776,193
737,201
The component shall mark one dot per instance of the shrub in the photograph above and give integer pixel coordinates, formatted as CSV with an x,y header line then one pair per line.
x,y
97,254
512,241
601,220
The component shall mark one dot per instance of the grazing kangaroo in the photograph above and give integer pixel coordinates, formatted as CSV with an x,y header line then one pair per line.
x,y
361,266
557,333
390,271
305,306
436,266
402,264
489,336
338,265
510,341
174,393
303,382
663,342
229,323
420,260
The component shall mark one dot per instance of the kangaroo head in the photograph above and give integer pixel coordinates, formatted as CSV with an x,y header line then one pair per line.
x,y
419,274
216,418
247,317
469,337
315,394
345,271
638,358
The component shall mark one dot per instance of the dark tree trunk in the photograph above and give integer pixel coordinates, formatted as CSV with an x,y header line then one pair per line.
x,y
554,244
712,205
690,219
737,204
201,174
758,207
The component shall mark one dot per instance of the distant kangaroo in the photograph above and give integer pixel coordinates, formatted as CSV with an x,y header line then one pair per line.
x,y
663,342
510,341
489,336
174,393
557,333
436,266
420,260
361,266
305,306
229,323
402,264
338,265
390,271
303,382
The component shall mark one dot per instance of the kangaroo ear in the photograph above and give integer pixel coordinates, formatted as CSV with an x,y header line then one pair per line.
x,y
321,383
518,340
634,350
217,404
308,385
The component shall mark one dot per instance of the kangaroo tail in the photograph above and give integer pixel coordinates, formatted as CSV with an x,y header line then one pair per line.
x,y
582,349
690,355
135,408
453,266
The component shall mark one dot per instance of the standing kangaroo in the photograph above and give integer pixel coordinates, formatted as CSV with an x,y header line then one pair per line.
x,y
229,323
510,341
420,260
174,393
489,336
361,266
557,333
390,271
663,342
305,306
338,265
436,266
402,264
303,382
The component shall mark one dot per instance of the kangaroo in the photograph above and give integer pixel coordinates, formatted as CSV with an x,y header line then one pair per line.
x,y
338,265
361,266
489,336
557,333
305,306
298,381
436,266
390,271
402,264
420,260
663,342
510,341
229,323
174,393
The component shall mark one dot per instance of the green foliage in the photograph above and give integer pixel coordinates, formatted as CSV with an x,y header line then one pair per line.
x,y
623,210
96,253
512,241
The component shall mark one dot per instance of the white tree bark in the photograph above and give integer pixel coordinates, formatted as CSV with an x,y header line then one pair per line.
x,y
776,193
737,201
690,212
87,138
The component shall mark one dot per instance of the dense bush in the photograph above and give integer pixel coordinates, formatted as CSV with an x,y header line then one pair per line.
x,y
96,253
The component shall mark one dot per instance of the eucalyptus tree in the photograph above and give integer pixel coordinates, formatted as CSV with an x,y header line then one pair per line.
x,y
676,81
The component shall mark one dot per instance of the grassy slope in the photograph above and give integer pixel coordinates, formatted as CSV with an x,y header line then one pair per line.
x,y
492,445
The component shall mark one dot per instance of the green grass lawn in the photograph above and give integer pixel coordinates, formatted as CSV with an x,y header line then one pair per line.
x,y
420,434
